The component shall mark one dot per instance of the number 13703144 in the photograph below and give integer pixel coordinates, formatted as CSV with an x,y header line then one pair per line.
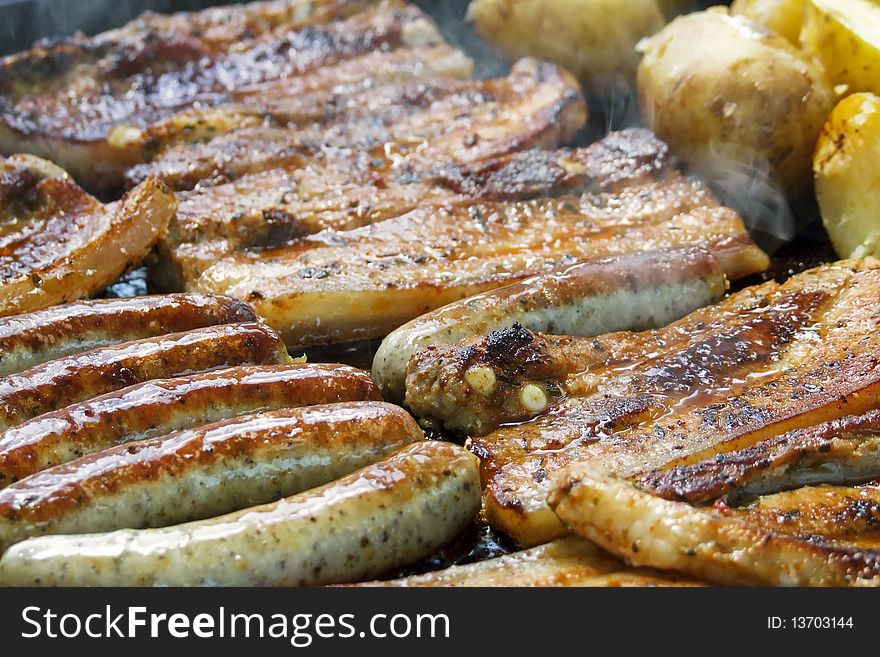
x,y
810,622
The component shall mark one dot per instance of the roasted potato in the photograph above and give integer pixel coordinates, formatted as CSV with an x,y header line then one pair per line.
x,y
594,39
727,94
785,17
848,178
845,36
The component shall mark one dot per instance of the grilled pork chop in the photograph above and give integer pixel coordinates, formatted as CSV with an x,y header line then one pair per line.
x,y
812,536
89,103
781,510
419,123
432,132
189,146
765,361
360,284
841,451
336,286
59,244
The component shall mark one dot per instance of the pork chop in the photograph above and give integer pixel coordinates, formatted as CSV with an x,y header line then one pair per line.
x,y
88,103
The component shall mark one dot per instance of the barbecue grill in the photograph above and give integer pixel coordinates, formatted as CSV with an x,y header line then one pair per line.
x,y
24,21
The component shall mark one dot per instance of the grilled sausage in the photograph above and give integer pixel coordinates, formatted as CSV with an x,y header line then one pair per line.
x,y
386,515
67,380
631,292
204,472
156,408
34,338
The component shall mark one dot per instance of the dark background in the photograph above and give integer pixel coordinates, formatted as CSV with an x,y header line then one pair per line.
x,y
484,622
24,21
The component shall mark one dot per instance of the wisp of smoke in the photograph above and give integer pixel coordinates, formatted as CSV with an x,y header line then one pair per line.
x,y
745,180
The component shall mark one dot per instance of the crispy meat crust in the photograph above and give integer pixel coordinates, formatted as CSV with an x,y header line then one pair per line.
x,y
370,85
401,130
429,150
359,284
336,286
59,244
766,361
127,80
839,451
753,545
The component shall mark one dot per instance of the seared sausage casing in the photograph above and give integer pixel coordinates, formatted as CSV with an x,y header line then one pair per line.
x,y
384,516
33,338
67,380
199,473
156,408
626,293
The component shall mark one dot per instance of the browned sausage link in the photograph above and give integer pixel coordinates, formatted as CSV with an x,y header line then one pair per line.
x,y
204,472
67,380
384,516
159,407
33,338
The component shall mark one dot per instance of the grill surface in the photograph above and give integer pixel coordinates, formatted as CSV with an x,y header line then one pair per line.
x,y
24,21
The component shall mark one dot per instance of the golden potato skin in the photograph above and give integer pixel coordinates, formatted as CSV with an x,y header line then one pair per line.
x,y
785,17
848,176
726,94
845,36
594,39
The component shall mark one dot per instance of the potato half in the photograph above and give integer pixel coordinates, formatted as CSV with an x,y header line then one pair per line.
x,y
845,36
727,94
785,17
848,176
594,39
